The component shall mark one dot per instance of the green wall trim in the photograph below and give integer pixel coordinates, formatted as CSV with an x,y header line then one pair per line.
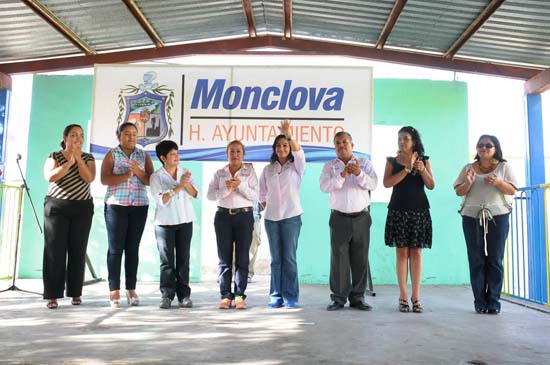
x,y
438,109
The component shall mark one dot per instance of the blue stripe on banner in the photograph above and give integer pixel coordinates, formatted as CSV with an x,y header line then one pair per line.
x,y
253,153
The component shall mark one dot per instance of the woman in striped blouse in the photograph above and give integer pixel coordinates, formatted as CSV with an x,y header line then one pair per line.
x,y
68,212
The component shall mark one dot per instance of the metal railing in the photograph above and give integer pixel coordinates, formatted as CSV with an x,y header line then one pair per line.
x,y
10,200
526,259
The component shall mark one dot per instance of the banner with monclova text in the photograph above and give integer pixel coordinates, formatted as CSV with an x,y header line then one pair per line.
x,y
202,108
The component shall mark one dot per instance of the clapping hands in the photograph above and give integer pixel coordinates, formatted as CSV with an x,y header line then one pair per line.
x,y
351,168
491,180
470,176
133,168
185,178
232,183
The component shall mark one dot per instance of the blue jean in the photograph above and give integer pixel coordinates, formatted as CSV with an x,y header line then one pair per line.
x,y
283,243
174,243
486,272
233,231
125,226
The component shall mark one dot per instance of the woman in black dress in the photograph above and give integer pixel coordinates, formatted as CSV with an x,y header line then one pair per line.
x,y
409,225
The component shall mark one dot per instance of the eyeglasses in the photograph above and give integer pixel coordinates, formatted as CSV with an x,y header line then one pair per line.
x,y
486,145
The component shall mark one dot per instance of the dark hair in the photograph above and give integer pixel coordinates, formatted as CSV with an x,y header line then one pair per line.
x,y
123,126
498,149
418,147
274,157
164,147
235,141
340,134
66,132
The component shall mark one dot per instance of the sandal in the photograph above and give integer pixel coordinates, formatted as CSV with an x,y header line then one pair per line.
x,y
417,307
403,305
132,300
76,301
52,304
114,302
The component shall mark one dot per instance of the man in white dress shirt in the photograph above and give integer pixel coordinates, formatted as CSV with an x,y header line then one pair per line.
x,y
348,180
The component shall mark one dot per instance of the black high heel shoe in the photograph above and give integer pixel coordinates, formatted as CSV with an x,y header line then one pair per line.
x,y
403,305
417,307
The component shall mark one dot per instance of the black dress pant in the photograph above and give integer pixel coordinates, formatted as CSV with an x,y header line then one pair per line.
x,y
349,254
174,243
67,226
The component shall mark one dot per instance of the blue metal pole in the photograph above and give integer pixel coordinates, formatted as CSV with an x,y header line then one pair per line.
x,y
535,152
536,176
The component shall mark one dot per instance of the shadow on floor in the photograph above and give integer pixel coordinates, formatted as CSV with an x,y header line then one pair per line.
x,y
448,332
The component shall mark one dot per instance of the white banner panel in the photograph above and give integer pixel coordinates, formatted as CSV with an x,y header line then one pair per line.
x,y
202,108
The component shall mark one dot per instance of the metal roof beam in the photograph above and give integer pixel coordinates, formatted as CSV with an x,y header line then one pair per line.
x,y
135,55
249,16
395,13
42,11
314,47
243,46
144,22
538,83
473,27
287,14
5,81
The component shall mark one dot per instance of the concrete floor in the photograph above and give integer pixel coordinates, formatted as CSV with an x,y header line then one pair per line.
x,y
448,332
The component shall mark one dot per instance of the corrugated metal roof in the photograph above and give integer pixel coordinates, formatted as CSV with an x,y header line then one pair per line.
x,y
25,35
349,20
179,21
433,25
103,24
268,15
519,31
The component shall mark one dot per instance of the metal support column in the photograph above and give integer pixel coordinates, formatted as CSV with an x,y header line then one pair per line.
x,y
536,176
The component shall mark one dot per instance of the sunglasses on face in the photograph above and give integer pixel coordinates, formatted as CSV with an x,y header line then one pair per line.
x,y
486,145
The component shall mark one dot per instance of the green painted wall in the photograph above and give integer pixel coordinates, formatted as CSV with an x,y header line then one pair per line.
x,y
56,102
438,109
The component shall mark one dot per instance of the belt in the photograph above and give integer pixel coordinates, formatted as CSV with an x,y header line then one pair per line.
x,y
349,215
233,211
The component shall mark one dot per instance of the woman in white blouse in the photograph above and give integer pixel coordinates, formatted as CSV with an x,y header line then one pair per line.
x,y
173,190
487,186
235,187
280,194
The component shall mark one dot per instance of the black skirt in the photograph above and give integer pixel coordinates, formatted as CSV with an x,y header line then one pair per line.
x,y
408,228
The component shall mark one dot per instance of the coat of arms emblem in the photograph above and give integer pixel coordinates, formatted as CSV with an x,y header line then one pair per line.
x,y
148,106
